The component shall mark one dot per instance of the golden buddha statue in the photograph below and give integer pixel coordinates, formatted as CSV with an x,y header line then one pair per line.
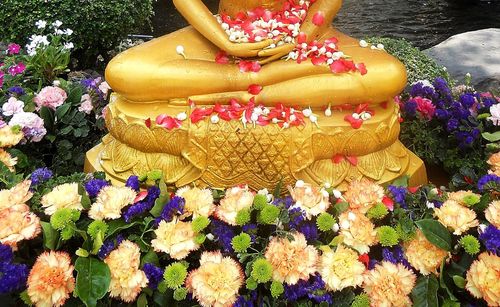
x,y
174,73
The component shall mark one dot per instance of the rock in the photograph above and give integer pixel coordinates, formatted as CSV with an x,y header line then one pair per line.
x,y
476,52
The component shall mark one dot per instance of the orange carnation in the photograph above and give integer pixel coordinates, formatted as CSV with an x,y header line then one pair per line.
x,y
423,255
363,194
17,223
482,278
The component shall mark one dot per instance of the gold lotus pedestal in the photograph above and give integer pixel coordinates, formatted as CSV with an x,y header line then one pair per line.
x,y
225,154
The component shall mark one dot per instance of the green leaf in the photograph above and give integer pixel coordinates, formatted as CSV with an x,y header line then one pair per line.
x,y
48,118
150,257
436,233
85,198
50,236
92,280
341,207
401,181
160,202
62,110
424,293
459,281
492,137
142,301
278,188
118,225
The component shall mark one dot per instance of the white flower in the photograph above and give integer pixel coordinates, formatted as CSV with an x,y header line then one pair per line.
x,y
69,46
380,47
363,43
214,119
495,114
68,31
12,106
58,32
41,24
57,24
180,50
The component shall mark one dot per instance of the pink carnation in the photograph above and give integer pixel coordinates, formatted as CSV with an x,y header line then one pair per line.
x,y
425,107
12,106
50,97
86,106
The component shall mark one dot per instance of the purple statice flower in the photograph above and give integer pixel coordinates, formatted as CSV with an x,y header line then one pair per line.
x,y
6,255
142,206
250,229
297,216
40,175
410,107
488,182
250,302
108,246
154,275
174,207
491,239
442,114
13,276
224,233
312,289
443,89
133,183
488,102
16,90
452,125
90,83
310,231
467,100
399,195
94,186
422,89
372,263
395,255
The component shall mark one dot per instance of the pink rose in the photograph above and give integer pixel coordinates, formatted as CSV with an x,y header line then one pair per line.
x,y
86,106
12,106
13,49
50,97
425,107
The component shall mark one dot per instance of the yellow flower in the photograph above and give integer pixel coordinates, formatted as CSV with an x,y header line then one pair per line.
x,y
357,231
126,278
17,223
291,260
423,255
312,200
8,160
363,194
217,281
341,269
460,195
63,196
51,279
457,217
389,285
494,162
198,202
17,195
10,137
235,200
110,202
492,213
175,238
482,278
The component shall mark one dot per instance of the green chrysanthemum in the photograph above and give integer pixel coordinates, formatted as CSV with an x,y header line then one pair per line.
x,y
269,214
95,227
243,217
471,200
405,236
361,300
377,212
251,284
259,201
200,223
174,275
470,244
155,175
180,294
387,236
277,289
200,238
262,270
67,233
325,221
61,218
241,242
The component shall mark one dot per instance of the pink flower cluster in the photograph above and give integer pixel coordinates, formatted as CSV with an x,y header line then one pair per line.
x,y
425,107
50,97
17,69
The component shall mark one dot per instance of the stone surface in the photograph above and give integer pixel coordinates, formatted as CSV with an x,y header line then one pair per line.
x,y
476,52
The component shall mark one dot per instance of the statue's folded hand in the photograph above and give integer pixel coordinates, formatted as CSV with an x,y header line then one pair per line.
x,y
246,50
273,54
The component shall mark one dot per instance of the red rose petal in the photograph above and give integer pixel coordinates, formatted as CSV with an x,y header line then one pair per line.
x,y
147,122
413,190
301,38
365,259
221,57
338,67
355,123
318,60
388,202
318,18
361,68
141,196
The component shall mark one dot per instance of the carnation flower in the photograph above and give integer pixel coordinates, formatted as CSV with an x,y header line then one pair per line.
x,y
62,196
357,231
425,107
235,200
217,281
50,97
494,161
495,114
104,88
8,160
17,223
126,278
452,214
175,238
463,197
492,213
482,278
12,106
363,194
9,136
341,268
110,202
51,279
198,202
389,284
423,255
17,195
312,200
86,104
291,260
31,124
